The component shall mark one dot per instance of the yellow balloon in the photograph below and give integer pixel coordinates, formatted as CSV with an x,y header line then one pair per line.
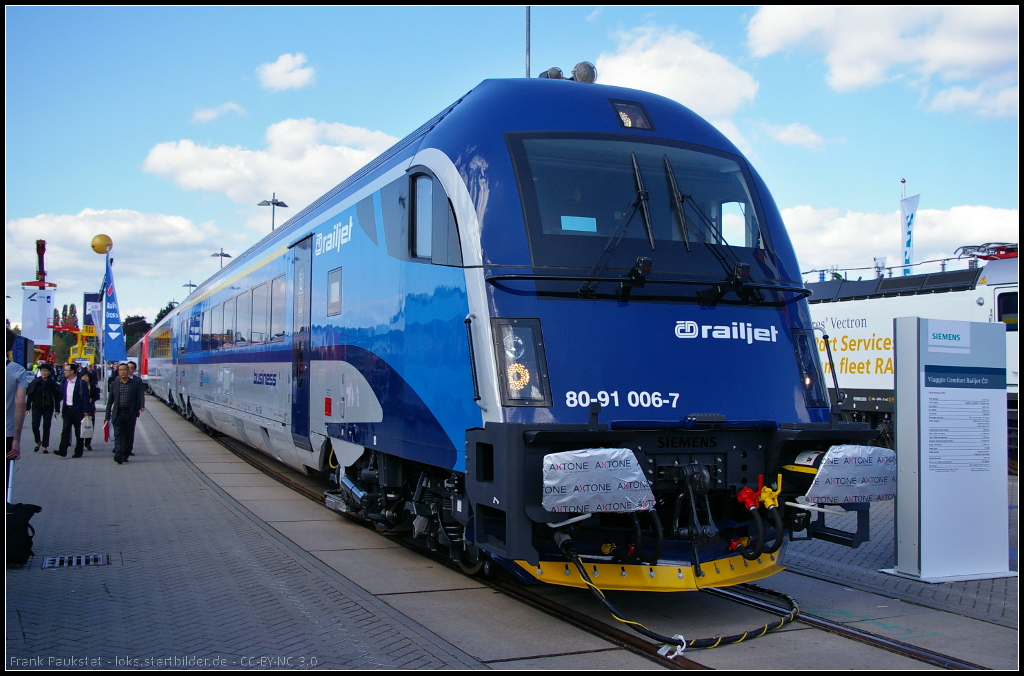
x,y
100,244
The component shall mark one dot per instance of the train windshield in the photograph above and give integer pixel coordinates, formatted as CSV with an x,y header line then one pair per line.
x,y
579,191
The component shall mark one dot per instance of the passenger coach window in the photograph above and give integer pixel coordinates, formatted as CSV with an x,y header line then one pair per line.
x,y
207,323
422,221
277,303
229,322
183,336
217,328
260,313
334,292
243,318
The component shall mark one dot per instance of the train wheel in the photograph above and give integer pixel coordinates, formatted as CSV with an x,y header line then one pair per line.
x,y
470,561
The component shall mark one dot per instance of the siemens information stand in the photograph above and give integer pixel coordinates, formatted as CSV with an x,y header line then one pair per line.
x,y
951,495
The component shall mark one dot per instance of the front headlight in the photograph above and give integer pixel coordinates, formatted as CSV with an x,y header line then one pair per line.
x,y
809,368
522,368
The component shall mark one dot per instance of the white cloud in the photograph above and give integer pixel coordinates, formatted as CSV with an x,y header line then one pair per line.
x,y
286,73
989,99
824,237
795,134
210,114
592,17
142,286
303,159
865,46
674,65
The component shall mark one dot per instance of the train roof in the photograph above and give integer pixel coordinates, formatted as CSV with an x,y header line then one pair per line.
x,y
489,110
538,104
996,272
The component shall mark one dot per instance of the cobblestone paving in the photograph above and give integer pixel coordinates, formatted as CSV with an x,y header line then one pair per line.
x,y
990,600
194,578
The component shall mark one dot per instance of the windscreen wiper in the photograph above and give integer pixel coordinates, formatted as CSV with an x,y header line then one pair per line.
x,y
737,272
639,203
641,197
680,201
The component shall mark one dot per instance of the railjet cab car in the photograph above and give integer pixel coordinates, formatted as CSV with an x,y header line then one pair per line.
x,y
547,266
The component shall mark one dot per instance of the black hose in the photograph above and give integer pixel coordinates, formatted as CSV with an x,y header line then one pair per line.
x,y
677,512
659,538
751,553
776,545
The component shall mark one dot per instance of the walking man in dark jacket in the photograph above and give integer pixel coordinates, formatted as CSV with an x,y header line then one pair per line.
x,y
124,404
74,395
44,402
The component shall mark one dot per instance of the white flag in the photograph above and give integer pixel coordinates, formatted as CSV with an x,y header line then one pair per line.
x,y
908,212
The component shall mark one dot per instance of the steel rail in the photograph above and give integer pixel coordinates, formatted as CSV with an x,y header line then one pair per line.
x,y
891,645
624,639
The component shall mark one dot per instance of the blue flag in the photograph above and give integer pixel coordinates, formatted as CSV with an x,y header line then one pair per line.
x,y
113,331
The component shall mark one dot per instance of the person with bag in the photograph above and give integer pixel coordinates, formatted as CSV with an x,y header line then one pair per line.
x,y
89,421
125,402
44,402
74,395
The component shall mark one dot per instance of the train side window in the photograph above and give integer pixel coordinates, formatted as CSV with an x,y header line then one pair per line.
x,y
1006,310
423,212
183,336
217,327
334,292
277,303
243,318
260,313
419,221
206,325
229,323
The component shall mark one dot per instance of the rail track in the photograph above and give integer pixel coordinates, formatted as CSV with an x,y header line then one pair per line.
x,y
746,595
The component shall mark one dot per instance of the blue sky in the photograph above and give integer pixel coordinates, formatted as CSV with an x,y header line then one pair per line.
x,y
106,129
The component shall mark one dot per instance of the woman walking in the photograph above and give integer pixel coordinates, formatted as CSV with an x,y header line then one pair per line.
x,y
43,399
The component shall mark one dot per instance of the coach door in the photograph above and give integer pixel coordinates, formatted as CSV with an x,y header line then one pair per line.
x,y
302,278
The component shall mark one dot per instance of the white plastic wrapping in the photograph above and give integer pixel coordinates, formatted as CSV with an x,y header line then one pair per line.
x,y
595,480
851,473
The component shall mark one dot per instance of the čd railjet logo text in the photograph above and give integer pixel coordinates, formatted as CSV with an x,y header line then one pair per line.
x,y
742,331
341,234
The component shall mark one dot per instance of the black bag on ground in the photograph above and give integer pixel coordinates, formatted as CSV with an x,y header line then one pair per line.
x,y
20,532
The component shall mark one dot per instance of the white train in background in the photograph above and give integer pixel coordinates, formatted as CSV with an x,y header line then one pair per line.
x,y
858,318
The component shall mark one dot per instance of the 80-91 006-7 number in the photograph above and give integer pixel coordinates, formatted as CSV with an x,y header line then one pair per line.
x,y
634,399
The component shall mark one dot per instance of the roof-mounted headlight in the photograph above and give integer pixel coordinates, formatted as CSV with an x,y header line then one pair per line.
x,y
553,73
585,72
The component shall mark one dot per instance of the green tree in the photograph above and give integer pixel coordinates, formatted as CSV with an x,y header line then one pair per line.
x,y
135,327
73,316
62,343
166,310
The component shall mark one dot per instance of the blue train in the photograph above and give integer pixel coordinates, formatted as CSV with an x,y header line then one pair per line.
x,y
545,266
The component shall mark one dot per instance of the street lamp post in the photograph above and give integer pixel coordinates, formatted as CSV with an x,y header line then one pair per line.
x,y
190,286
221,256
273,203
